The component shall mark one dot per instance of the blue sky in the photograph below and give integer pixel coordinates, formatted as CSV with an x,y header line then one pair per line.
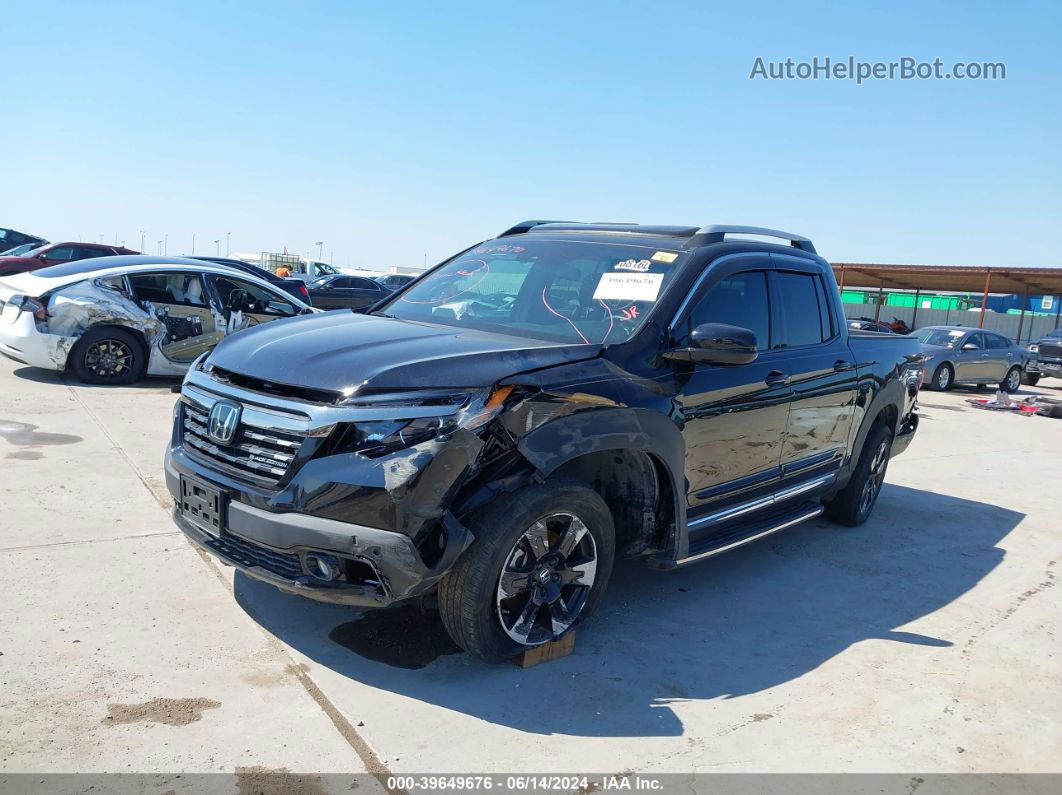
x,y
392,131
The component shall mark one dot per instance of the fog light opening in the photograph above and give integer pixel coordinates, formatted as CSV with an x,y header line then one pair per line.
x,y
323,567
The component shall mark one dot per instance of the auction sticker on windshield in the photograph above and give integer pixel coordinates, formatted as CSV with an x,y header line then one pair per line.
x,y
629,286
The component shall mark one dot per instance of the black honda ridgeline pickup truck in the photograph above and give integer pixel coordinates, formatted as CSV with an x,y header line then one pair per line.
x,y
496,433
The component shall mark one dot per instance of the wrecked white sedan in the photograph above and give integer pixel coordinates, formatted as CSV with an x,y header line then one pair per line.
x,y
113,320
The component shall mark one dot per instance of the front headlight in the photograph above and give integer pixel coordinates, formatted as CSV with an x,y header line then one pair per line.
x,y
1034,348
376,438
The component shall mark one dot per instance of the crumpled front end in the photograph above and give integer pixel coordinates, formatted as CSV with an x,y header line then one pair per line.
x,y
306,497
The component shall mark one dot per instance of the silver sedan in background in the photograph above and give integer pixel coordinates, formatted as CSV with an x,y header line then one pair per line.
x,y
961,355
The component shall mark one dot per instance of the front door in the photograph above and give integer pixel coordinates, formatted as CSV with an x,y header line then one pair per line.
x,y
734,415
971,358
1000,356
244,304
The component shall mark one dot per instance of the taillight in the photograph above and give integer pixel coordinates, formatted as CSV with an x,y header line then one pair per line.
x,y
27,303
303,291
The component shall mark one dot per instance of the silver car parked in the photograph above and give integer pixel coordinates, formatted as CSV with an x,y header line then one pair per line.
x,y
961,355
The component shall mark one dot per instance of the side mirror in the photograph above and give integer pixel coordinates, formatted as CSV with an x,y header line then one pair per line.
x,y
718,343
237,301
969,346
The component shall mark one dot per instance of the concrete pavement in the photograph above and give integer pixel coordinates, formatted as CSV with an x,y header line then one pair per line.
x,y
926,640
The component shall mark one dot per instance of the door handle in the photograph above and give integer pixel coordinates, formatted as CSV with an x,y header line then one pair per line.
x,y
841,364
775,377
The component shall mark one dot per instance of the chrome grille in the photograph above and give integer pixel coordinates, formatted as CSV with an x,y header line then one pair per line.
x,y
260,450
1052,350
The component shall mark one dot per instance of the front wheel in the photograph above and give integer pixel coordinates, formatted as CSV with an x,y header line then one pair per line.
x,y
540,562
943,377
1012,383
853,504
1032,379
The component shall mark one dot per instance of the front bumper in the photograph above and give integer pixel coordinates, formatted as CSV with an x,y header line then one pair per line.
x,y
1047,368
379,567
905,434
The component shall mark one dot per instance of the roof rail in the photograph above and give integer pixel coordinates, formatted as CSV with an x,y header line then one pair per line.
x,y
526,226
715,233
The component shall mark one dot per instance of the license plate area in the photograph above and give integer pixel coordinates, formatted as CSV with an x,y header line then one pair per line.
x,y
203,506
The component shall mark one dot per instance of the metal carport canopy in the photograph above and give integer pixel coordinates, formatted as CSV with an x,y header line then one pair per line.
x,y
952,278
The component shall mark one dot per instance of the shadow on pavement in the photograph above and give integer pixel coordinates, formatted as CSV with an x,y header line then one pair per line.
x,y
741,623
41,376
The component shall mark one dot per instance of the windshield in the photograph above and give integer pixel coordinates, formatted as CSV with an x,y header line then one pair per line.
x,y
554,290
1056,333
948,338
19,251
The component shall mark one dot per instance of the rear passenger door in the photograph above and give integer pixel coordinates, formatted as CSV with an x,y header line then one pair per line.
x,y
180,303
821,369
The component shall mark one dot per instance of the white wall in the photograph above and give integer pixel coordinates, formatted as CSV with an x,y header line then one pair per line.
x,y
1032,329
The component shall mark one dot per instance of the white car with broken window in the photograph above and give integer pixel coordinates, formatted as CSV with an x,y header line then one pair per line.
x,y
114,320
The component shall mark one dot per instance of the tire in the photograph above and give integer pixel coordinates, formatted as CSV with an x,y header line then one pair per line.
x,y
1012,383
853,504
108,356
943,378
1032,379
472,602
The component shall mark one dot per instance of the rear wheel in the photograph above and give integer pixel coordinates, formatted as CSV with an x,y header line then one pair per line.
x,y
1012,383
540,562
943,378
108,356
853,504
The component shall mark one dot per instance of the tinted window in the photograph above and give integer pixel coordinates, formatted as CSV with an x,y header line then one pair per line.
x,y
975,340
61,253
802,311
996,341
361,284
738,300
88,253
829,328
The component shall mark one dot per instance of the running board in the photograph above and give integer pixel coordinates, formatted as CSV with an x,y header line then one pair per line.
x,y
748,532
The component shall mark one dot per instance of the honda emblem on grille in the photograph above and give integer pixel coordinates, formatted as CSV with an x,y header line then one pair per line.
x,y
223,421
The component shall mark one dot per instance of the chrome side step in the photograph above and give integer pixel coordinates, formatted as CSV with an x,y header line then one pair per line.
x,y
729,543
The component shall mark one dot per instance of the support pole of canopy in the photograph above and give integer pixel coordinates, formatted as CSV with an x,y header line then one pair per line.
x,y
1021,318
984,298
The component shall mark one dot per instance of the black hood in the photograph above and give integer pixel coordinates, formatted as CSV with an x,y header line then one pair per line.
x,y
340,350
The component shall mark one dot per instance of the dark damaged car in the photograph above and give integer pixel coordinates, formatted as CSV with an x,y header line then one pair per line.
x,y
494,435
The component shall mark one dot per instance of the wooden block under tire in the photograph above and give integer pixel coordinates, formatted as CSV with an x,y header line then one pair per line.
x,y
553,650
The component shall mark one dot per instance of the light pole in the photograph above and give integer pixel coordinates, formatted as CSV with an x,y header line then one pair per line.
x,y
160,247
319,244
228,248
165,244
193,242
141,240
217,248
